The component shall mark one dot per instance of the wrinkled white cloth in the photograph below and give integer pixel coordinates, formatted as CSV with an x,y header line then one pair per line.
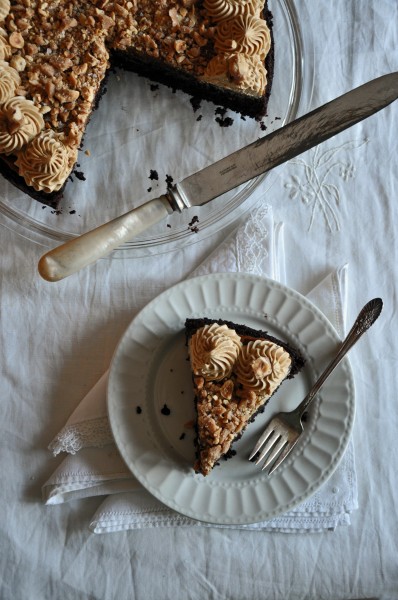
x,y
94,466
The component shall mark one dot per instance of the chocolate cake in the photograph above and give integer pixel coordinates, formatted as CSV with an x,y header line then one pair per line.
x,y
55,56
235,370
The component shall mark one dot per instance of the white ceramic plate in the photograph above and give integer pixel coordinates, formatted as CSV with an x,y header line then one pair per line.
x,y
150,373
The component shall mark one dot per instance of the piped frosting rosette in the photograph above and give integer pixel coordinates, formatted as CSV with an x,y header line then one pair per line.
x,y
5,48
9,81
246,34
261,366
245,72
46,162
5,6
213,351
242,40
20,122
221,10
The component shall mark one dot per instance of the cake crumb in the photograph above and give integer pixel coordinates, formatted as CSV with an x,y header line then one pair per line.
x,y
192,225
222,120
87,153
153,175
138,410
182,436
165,410
79,175
195,103
169,181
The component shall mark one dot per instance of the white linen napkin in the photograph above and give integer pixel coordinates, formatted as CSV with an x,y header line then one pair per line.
x,y
94,466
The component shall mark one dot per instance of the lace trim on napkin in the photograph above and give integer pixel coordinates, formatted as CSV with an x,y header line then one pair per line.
x,y
92,433
248,249
251,243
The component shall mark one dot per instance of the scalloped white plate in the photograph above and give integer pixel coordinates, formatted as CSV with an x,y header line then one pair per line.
x,y
150,376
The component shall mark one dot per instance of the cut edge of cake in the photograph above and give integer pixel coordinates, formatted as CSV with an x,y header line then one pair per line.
x,y
245,370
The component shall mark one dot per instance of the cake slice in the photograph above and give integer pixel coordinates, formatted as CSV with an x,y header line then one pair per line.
x,y
235,372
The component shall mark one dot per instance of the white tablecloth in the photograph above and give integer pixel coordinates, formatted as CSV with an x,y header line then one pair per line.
x,y
339,205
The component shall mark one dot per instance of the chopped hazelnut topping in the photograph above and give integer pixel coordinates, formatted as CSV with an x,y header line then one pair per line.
x,y
16,40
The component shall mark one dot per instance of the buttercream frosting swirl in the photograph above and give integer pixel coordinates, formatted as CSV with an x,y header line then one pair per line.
x,y
246,34
20,121
261,366
5,48
9,81
213,351
5,6
46,162
248,73
220,10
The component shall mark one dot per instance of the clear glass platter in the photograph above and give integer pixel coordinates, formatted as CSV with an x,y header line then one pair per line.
x,y
142,130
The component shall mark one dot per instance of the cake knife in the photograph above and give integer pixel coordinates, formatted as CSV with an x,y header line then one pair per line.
x,y
247,163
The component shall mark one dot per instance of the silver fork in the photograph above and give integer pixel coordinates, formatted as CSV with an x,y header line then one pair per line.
x,y
284,430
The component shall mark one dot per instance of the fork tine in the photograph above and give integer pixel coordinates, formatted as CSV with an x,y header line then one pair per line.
x,y
261,441
276,450
273,439
285,452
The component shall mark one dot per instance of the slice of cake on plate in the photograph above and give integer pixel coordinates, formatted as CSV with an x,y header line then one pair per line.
x,y
235,371
55,57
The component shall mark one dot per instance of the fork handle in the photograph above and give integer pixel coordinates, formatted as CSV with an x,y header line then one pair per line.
x,y
364,320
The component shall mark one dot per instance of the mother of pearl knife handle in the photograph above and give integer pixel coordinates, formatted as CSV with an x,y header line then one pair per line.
x,y
97,243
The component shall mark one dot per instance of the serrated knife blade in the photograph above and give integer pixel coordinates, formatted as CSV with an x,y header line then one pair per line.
x,y
214,180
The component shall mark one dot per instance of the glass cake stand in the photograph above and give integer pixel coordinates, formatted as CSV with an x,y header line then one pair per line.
x,y
144,134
